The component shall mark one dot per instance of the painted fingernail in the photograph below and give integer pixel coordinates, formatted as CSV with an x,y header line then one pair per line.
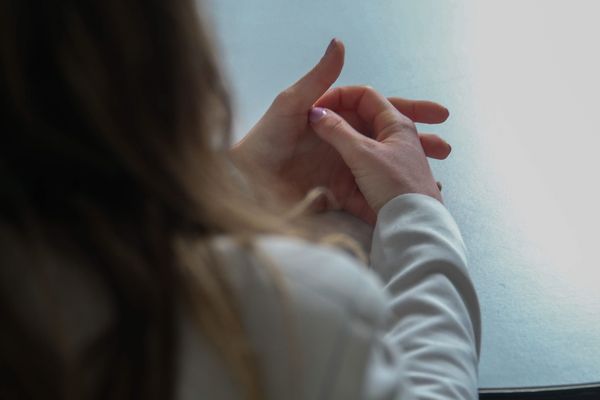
x,y
331,46
316,113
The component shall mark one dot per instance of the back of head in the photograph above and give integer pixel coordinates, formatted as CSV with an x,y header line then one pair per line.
x,y
99,101
113,119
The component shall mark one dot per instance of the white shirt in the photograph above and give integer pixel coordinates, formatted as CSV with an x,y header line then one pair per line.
x,y
408,327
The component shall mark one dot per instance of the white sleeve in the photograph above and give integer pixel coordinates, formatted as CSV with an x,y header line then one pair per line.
x,y
435,326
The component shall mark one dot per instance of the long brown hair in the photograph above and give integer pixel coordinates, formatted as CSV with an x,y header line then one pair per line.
x,y
114,127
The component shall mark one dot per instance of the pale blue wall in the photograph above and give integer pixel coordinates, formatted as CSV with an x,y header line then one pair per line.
x,y
520,79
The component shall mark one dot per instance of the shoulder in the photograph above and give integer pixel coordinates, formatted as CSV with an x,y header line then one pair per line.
x,y
312,272
308,305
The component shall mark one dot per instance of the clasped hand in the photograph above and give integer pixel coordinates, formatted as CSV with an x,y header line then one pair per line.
x,y
362,147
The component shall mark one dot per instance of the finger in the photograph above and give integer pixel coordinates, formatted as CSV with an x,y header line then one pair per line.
x,y
300,97
350,98
354,120
336,131
422,111
434,146
376,111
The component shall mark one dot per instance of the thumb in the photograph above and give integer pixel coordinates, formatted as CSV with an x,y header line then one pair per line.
x,y
308,89
336,131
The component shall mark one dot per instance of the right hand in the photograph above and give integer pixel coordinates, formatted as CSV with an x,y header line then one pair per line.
x,y
387,160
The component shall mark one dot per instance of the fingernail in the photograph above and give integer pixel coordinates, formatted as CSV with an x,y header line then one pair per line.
x,y
330,47
316,113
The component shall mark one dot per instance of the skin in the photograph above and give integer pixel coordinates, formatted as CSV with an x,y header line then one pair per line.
x,y
286,152
389,162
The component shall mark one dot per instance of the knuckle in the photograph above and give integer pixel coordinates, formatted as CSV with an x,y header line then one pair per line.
x,y
404,123
391,123
407,124
368,89
336,125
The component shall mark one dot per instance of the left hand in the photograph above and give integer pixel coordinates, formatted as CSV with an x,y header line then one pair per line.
x,y
283,149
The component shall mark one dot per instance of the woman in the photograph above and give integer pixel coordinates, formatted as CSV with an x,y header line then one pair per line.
x,y
135,264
